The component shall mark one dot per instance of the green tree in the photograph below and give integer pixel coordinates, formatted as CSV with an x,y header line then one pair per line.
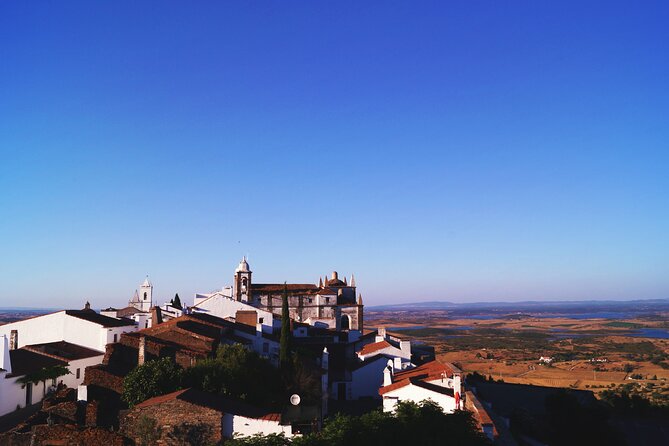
x,y
151,379
176,302
238,373
423,424
284,347
44,374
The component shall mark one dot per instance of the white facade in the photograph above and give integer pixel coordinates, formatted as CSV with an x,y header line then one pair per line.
x,y
60,326
434,381
414,393
241,426
221,305
15,395
366,380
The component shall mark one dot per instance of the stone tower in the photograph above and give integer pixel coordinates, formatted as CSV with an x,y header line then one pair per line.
x,y
242,288
145,295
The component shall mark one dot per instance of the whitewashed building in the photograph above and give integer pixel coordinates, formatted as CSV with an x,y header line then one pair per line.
x,y
17,363
81,327
436,381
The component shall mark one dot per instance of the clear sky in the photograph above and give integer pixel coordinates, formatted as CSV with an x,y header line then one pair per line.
x,y
462,151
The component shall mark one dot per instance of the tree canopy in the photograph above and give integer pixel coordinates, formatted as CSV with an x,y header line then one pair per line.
x,y
238,373
150,379
423,424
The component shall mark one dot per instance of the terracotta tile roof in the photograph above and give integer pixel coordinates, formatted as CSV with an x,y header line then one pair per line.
x,y
128,311
212,401
482,414
374,347
429,370
335,282
92,316
324,292
25,361
279,287
64,350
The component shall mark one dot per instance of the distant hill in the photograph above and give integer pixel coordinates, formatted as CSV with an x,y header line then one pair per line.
x,y
641,305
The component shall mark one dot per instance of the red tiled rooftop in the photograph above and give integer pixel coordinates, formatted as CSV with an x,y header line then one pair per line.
x,y
427,371
374,347
279,287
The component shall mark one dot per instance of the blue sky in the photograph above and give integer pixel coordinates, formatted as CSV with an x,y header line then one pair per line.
x,y
443,150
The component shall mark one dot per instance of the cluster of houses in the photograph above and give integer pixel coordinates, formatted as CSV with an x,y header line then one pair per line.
x,y
357,366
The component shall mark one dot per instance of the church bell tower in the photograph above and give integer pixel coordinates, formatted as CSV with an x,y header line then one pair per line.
x,y
146,295
242,289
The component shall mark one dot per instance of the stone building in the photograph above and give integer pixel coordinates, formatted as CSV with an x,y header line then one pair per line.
x,y
332,303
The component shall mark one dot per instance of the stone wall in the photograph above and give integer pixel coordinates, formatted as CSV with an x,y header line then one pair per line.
x,y
174,419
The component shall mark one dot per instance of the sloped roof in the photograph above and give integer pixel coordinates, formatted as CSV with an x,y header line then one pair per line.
x,y
279,287
418,375
25,361
92,316
64,350
213,401
374,347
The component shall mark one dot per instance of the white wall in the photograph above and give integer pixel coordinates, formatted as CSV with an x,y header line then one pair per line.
x,y
366,381
222,306
243,426
59,326
13,395
417,394
71,380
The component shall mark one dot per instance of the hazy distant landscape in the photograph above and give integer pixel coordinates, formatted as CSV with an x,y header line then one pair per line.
x,y
598,345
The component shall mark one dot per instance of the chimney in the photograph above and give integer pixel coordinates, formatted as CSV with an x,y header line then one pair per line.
x,y
156,316
457,384
5,360
14,340
397,363
325,359
380,335
405,346
141,354
87,306
388,374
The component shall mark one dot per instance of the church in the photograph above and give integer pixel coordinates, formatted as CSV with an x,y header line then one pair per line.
x,y
332,303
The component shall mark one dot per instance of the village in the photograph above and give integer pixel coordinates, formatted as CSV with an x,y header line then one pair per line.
x,y
67,375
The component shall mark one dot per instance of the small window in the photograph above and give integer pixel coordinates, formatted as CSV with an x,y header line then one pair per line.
x,y
78,373
261,320
115,337
310,300
327,300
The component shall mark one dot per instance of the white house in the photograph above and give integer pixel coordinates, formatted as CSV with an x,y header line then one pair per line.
x,y
80,327
17,363
436,381
390,346
221,304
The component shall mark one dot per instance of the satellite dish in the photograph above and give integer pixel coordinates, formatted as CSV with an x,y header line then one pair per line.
x,y
295,399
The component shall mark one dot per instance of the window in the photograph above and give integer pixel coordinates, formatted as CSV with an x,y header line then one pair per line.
x,y
310,300
261,320
327,300
78,373
144,296
115,337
